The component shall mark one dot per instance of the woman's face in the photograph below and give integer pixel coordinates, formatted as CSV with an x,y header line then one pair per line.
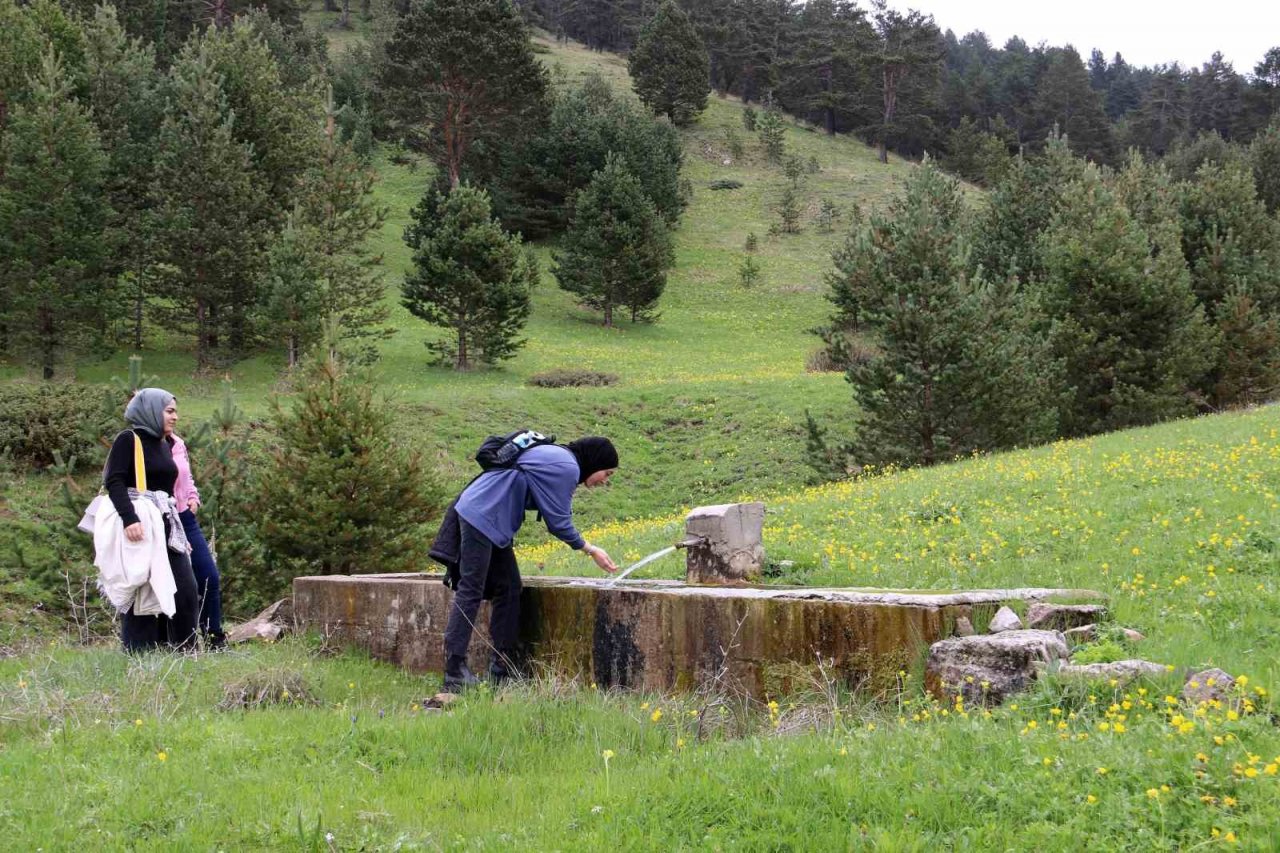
x,y
599,478
170,417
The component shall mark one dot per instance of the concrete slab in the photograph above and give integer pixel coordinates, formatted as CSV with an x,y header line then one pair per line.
x,y
664,635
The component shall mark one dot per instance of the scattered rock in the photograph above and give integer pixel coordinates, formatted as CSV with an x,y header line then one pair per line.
x,y
964,628
988,667
1082,634
1004,620
268,625
1121,670
1060,617
1208,685
1133,636
439,701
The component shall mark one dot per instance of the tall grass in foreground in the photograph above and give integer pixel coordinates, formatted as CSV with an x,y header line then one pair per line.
x,y
127,754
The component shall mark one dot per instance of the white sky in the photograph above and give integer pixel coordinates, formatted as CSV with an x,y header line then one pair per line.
x,y
1145,32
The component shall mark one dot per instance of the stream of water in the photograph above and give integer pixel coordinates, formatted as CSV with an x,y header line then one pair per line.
x,y
646,561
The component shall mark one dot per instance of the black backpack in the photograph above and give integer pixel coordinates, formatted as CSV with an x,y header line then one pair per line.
x,y
503,451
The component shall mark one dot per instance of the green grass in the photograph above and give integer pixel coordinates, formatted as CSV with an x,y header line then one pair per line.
x,y
124,753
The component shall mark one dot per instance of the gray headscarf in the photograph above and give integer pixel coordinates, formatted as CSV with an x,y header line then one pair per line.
x,y
146,410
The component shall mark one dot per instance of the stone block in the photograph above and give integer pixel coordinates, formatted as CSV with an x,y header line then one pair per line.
x,y
1209,685
726,543
989,667
1060,617
1123,671
1004,620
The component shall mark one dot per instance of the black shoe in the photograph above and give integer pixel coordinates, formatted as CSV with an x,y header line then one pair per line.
x,y
457,677
502,669
216,641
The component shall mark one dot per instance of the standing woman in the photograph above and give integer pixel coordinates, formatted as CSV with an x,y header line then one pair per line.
x,y
152,415
208,582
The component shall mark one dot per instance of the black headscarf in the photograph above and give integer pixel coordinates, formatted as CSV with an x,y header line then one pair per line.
x,y
594,453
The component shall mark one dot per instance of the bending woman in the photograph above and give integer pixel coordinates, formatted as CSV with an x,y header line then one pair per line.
x,y
152,414
490,512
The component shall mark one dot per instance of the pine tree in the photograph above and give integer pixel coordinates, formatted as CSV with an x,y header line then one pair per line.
x,y
617,250
588,123
337,494
53,214
1162,115
20,48
209,237
470,276
1126,322
1248,371
669,66
463,72
1022,204
338,213
293,294
1264,157
749,272
956,367
772,135
824,75
789,210
1214,95
127,107
908,55
276,122
1065,100
1228,239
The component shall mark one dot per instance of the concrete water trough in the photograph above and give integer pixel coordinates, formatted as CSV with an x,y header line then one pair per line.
x,y
662,635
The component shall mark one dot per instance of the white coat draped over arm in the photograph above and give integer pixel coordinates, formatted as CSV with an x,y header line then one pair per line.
x,y
134,574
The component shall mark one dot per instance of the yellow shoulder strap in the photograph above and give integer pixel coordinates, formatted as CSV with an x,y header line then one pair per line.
x,y
139,464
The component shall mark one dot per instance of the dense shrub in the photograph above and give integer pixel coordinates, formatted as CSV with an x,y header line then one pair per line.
x,y
38,419
338,492
572,378
725,184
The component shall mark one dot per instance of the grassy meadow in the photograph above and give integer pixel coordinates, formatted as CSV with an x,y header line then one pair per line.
x,y
1178,524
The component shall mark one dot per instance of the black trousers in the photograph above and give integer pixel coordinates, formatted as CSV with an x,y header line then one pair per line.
x,y
142,633
480,574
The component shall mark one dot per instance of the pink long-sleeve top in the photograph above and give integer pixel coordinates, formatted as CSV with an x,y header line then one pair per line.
x,y
184,490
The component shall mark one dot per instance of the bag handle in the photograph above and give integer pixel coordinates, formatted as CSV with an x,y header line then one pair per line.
x,y
139,464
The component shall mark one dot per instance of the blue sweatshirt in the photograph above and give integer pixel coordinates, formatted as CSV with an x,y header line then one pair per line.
x,y
544,479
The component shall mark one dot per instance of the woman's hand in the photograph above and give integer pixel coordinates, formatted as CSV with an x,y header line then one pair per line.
x,y
601,556
193,505
134,532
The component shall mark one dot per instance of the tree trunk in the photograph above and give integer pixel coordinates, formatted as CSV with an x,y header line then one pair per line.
x,y
608,315
292,349
138,300
210,329
890,102
48,342
202,335
462,351
345,20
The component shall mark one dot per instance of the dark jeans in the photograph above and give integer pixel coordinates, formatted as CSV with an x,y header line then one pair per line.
x,y
142,633
504,617
208,584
